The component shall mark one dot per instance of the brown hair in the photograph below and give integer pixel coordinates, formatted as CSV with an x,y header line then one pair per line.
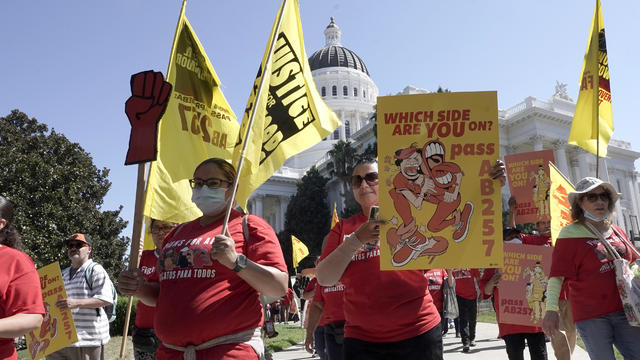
x,y
227,169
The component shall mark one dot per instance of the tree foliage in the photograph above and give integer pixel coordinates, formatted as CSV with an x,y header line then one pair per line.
x,y
344,158
57,191
308,216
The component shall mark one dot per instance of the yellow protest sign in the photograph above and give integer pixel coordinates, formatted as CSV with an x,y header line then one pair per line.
x,y
436,151
57,330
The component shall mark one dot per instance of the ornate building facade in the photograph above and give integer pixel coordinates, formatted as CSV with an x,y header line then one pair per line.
x,y
344,82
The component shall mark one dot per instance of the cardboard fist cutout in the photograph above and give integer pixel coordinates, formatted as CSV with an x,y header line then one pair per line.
x,y
149,98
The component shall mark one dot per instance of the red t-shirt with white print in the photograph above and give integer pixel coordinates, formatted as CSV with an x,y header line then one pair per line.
x,y
145,313
580,258
201,299
465,282
333,300
436,278
381,306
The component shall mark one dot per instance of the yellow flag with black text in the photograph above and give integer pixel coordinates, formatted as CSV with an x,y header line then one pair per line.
x,y
559,205
290,115
592,125
198,124
299,250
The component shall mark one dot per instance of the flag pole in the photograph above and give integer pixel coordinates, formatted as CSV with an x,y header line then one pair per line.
x,y
134,253
597,93
134,256
251,118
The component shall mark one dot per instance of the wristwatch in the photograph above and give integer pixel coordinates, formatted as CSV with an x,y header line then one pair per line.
x,y
241,263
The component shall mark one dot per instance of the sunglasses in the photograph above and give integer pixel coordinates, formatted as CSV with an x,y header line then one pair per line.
x,y
76,245
593,197
371,179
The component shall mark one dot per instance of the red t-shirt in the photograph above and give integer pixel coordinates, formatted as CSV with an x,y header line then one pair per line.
x,y
580,258
465,282
503,328
19,292
201,299
333,299
532,239
381,306
286,300
145,313
436,278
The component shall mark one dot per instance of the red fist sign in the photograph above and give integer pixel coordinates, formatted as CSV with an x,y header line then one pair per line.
x,y
144,108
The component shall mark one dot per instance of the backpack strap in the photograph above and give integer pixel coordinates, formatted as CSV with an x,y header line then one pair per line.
x,y
88,275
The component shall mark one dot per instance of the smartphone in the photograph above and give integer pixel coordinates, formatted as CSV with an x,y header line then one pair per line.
x,y
374,212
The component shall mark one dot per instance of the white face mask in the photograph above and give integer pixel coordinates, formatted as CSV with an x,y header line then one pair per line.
x,y
593,218
209,201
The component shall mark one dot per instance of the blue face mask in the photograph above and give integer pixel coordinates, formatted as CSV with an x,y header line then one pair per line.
x,y
209,201
596,219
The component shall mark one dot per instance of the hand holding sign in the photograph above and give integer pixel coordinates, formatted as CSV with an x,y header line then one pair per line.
x,y
144,108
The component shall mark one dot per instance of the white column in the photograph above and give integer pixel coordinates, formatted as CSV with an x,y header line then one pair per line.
x,y
343,135
561,156
633,190
537,142
284,202
258,205
583,163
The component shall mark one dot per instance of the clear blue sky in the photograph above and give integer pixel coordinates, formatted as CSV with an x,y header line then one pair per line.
x,y
68,63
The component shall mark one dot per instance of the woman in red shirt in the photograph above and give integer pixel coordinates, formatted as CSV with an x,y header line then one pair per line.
x,y
21,308
207,301
388,314
580,259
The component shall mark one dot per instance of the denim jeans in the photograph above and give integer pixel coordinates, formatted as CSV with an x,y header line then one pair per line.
x,y
599,334
318,337
468,314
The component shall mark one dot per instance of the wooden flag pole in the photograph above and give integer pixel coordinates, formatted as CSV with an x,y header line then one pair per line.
x,y
247,136
134,254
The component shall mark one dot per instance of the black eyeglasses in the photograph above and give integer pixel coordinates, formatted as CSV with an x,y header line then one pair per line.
x,y
210,183
371,179
593,197
76,245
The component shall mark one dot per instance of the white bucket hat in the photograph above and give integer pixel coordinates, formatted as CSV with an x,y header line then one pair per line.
x,y
589,183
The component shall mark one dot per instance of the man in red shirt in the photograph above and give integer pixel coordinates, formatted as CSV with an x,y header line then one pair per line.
x,y
465,280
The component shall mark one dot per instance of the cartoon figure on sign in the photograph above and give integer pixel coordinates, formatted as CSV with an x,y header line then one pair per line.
x,y
447,178
536,291
541,188
48,331
410,188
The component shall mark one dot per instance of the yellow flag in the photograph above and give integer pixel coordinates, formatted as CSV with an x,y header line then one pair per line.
x,y
559,204
334,219
290,115
593,121
299,250
198,124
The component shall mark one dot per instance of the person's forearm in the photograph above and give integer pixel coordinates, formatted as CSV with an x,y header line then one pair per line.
x,y
91,303
553,292
148,293
266,280
19,324
330,269
315,313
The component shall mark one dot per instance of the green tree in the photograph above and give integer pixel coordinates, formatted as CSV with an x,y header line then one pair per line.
x,y
308,215
57,191
344,157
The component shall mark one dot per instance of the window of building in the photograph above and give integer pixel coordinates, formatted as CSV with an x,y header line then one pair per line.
x,y
324,91
336,134
345,91
355,92
334,90
364,93
347,129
